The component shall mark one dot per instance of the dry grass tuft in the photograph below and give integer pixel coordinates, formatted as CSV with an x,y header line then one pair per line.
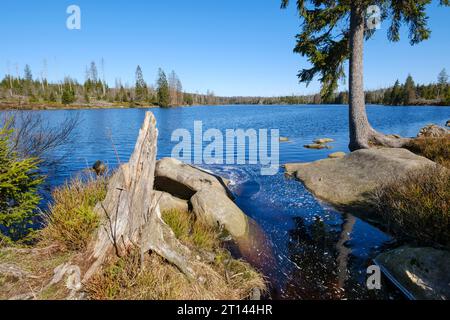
x,y
71,219
417,206
221,278
122,279
194,233
435,149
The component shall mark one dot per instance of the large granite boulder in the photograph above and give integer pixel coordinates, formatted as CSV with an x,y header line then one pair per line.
x,y
218,210
168,202
206,195
421,273
183,181
347,181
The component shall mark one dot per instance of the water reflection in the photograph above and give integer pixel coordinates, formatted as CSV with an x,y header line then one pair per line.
x,y
324,265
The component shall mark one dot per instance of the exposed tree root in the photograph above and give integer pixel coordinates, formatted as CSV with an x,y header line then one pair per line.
x,y
382,140
375,139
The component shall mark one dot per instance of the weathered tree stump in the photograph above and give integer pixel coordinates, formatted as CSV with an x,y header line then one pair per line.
x,y
131,212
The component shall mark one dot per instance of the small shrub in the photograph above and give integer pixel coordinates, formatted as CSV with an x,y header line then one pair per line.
x,y
417,206
68,96
71,219
435,149
19,182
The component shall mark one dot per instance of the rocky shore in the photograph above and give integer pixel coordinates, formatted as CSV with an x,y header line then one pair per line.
x,y
347,182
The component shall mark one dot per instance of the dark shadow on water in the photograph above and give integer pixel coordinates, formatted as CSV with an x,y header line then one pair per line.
x,y
324,265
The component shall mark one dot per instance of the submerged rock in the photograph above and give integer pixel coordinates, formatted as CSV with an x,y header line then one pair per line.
x,y
317,146
346,181
323,140
284,139
183,181
421,273
219,211
448,123
433,131
337,155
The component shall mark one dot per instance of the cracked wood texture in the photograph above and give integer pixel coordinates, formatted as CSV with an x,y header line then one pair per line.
x,y
131,214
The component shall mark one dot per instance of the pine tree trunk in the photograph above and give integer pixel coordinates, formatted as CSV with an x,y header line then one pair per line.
x,y
359,124
362,135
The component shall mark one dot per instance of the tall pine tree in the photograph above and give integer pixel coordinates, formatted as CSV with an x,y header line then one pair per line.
x,y
163,90
334,32
442,82
141,86
27,73
409,91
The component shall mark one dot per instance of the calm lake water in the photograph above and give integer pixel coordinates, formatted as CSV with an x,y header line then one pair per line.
x,y
317,252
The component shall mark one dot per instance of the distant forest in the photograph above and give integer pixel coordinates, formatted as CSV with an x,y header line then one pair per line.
x,y
26,90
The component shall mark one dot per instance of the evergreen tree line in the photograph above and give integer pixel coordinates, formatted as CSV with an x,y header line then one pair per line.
x,y
168,91
408,93
411,93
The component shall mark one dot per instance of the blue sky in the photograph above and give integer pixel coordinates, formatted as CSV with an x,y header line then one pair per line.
x,y
233,47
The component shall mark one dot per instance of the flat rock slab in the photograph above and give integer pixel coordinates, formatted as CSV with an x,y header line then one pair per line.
x,y
346,181
421,273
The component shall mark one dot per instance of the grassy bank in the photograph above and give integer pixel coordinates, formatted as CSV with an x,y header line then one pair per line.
x,y
435,149
71,222
18,105
417,206
28,105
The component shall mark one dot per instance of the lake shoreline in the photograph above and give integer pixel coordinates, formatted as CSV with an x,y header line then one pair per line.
x,y
13,106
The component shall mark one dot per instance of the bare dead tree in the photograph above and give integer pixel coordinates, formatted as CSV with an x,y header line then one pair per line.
x,y
34,136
